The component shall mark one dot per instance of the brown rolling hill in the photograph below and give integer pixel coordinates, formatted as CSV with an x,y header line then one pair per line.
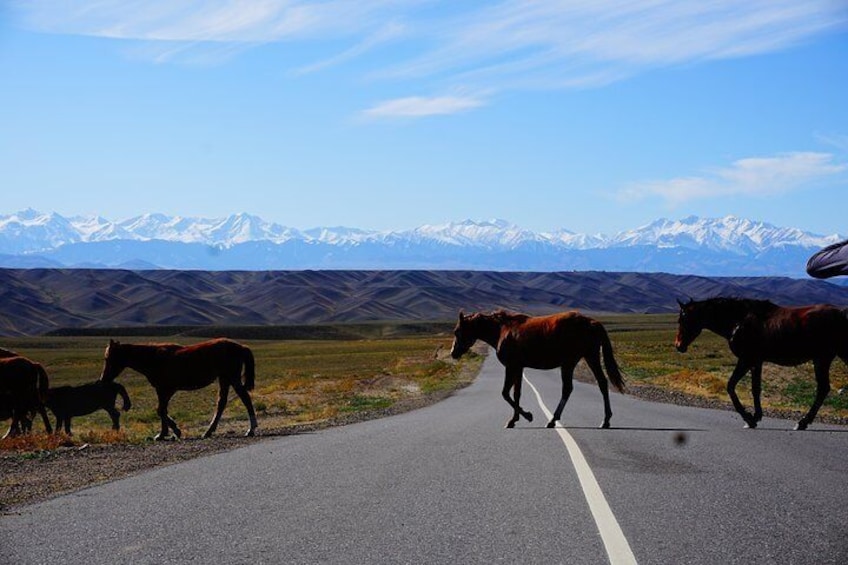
x,y
37,301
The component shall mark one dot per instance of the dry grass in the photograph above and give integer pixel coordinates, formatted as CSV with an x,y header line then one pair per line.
x,y
297,382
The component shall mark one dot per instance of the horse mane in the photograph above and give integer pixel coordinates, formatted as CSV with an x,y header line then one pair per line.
x,y
755,305
5,353
507,317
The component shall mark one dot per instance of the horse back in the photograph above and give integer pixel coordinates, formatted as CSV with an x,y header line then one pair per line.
x,y
82,399
22,382
18,371
546,342
198,365
793,335
5,353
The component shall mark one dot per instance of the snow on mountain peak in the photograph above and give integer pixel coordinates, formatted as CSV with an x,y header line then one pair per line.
x,y
30,231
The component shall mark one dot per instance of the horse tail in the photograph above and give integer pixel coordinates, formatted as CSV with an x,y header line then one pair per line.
x,y
43,383
249,368
119,388
610,363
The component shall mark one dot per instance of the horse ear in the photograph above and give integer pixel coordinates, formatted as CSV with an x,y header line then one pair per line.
x,y
461,315
680,303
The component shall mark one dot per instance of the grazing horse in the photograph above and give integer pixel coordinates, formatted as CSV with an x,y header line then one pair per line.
x,y
173,367
23,389
68,401
546,342
758,331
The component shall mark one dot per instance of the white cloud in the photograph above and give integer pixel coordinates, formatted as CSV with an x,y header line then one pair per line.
x,y
249,21
755,176
507,45
389,32
419,106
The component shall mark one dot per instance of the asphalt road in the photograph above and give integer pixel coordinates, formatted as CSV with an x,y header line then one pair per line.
x,y
447,484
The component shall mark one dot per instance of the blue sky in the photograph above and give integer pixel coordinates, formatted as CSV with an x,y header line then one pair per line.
x,y
591,116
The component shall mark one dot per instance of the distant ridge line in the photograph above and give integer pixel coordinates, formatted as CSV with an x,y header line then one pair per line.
x,y
37,301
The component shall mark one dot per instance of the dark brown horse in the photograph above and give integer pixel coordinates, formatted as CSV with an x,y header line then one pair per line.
x,y
546,342
23,389
172,367
758,331
68,401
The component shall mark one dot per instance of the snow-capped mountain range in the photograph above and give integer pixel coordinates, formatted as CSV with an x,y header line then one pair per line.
x,y
707,246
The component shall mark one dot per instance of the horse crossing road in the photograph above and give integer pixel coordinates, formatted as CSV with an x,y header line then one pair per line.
x,y
447,484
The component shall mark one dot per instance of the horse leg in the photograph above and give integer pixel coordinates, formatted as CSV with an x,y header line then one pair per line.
x,y
244,395
567,372
223,392
738,373
512,380
47,427
594,362
756,390
14,428
166,421
822,368
516,394
17,426
116,417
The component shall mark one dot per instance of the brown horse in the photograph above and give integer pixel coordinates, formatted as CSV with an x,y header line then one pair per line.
x,y
758,331
68,401
546,342
23,390
172,367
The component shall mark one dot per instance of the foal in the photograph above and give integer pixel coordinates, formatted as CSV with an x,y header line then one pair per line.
x,y
68,401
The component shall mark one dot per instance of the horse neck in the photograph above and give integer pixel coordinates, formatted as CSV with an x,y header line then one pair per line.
x,y
723,321
488,330
142,358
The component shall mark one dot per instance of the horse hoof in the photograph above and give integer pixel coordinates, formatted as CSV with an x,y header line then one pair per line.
x,y
801,426
529,416
750,422
551,424
605,426
250,433
510,424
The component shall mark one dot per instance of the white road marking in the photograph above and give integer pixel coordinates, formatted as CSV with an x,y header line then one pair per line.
x,y
618,550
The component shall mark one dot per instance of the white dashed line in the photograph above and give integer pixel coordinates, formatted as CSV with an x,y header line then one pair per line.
x,y
618,550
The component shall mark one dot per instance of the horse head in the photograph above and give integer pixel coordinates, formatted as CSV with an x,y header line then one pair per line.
x,y
463,336
689,325
113,362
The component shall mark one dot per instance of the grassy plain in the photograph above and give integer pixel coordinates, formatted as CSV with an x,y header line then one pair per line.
x,y
297,382
301,381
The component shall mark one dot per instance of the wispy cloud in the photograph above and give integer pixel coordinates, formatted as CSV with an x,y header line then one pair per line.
x,y
755,176
507,45
388,33
419,106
